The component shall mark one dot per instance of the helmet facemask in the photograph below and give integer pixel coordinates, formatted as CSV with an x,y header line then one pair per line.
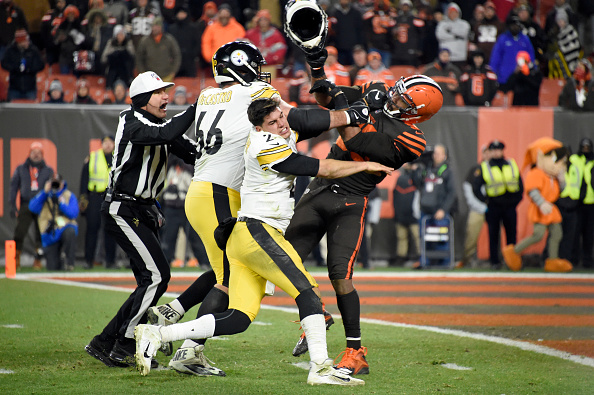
x,y
399,91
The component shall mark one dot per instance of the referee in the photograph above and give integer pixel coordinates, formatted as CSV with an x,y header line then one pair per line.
x,y
130,212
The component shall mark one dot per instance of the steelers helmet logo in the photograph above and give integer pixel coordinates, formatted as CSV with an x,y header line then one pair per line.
x,y
239,58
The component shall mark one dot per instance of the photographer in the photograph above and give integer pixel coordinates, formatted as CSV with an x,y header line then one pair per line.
x,y
57,209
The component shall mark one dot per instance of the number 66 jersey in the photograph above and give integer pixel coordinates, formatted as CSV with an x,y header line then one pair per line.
x,y
222,129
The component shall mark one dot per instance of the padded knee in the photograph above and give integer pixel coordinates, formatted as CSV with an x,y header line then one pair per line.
x,y
231,322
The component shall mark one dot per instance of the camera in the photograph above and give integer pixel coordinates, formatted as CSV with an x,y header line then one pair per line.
x,y
55,184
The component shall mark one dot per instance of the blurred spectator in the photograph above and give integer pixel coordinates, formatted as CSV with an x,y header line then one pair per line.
x,y
437,187
379,22
69,38
118,10
551,18
185,32
478,15
140,20
486,31
346,30
23,61
209,13
453,33
525,81
532,29
269,40
476,213
299,87
97,33
446,74
82,94
49,27
57,209
336,72
168,10
585,10
407,35
429,43
179,177
406,216
180,97
120,93
94,179
499,184
478,83
503,57
118,57
12,18
578,92
359,62
55,93
27,180
564,48
158,52
375,71
223,30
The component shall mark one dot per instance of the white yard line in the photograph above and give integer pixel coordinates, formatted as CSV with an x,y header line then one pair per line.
x,y
47,278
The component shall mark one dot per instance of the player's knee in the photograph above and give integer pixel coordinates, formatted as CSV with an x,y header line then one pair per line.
x,y
343,286
216,301
308,303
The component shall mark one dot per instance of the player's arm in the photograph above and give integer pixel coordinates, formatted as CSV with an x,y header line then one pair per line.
x,y
301,165
383,148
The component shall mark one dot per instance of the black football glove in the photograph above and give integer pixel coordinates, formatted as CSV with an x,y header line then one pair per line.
x,y
358,113
327,87
317,59
375,99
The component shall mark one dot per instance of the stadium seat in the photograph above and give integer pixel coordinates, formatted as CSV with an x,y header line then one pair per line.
x,y
403,71
95,80
549,92
97,94
502,99
3,84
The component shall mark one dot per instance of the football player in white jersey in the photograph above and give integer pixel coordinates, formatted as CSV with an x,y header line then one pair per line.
x,y
256,246
222,129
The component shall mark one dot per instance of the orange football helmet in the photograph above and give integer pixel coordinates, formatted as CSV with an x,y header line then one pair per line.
x,y
421,95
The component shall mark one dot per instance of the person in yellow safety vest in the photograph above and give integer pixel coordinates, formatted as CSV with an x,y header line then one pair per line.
x,y
585,225
93,182
499,184
568,203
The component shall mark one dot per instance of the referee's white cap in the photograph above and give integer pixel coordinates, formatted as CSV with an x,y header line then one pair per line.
x,y
147,82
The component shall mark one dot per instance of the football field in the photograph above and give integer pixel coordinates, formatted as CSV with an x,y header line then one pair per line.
x,y
426,332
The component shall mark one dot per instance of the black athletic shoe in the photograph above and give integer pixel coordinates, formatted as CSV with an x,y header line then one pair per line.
x,y
123,353
100,349
301,347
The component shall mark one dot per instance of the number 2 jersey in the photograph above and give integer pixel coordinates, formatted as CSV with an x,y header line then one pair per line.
x,y
267,194
222,129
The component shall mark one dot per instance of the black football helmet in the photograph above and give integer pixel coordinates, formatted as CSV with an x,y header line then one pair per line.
x,y
239,61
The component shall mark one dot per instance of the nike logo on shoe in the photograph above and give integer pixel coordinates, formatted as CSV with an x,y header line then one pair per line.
x,y
146,353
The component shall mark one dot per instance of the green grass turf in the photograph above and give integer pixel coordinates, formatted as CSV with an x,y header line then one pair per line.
x,y
47,355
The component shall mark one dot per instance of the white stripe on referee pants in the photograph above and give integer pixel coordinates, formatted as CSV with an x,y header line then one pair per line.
x,y
148,261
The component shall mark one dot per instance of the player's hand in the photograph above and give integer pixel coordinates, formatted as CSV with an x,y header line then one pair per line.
x,y
378,168
546,208
327,87
358,113
83,203
316,59
375,99
439,214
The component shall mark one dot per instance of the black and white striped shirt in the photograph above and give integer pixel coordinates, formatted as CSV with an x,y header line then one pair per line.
x,y
142,143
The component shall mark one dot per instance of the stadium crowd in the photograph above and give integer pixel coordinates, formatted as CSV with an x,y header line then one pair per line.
x,y
474,50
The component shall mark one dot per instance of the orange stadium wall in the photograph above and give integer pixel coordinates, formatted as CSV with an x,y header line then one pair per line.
x,y
71,131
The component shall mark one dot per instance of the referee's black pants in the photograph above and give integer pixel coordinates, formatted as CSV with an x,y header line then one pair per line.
x,y
134,227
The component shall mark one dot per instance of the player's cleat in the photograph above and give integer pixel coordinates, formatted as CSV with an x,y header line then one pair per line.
x,y
100,349
354,360
325,373
192,263
148,341
163,315
191,360
177,263
301,346
123,354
